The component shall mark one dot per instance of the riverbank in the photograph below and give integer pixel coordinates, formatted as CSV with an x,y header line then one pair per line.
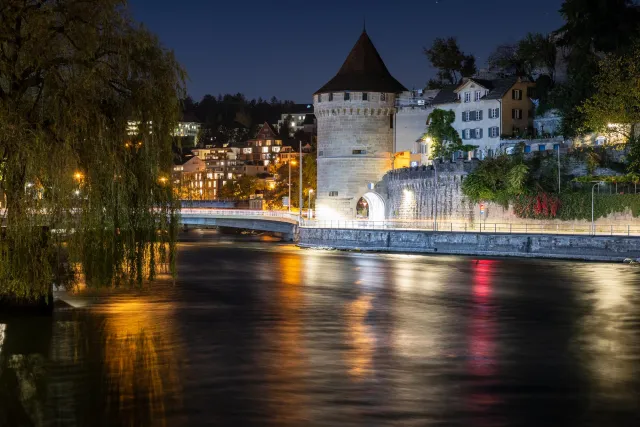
x,y
587,248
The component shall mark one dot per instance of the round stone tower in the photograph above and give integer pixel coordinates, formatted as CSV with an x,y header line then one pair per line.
x,y
355,115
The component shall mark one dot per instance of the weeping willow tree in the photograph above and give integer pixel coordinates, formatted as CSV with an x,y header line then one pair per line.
x,y
89,100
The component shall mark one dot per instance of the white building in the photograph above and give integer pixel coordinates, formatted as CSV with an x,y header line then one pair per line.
x,y
300,117
485,110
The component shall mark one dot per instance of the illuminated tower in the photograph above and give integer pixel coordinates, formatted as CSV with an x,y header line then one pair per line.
x,y
355,114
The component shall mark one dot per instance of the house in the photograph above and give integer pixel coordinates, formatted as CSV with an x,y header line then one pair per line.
x,y
486,110
298,117
263,149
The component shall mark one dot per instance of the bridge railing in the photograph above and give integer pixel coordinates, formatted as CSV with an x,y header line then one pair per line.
x,y
479,227
238,213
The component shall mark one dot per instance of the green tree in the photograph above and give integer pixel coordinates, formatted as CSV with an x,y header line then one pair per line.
x,y
73,74
617,95
445,140
452,64
532,55
592,28
241,189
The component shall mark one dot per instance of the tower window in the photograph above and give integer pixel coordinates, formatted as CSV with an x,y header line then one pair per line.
x,y
319,98
365,96
347,96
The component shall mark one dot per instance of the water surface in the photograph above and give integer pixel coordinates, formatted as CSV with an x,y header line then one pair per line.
x,y
266,334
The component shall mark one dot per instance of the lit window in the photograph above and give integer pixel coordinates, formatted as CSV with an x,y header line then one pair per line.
x,y
265,149
229,175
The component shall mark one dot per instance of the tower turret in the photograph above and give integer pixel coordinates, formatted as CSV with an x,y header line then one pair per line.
x,y
355,114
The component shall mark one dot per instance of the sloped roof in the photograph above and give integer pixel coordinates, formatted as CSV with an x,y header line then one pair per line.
x,y
447,95
363,70
266,132
497,89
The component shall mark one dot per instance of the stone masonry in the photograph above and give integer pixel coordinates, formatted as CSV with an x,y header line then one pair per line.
x,y
355,142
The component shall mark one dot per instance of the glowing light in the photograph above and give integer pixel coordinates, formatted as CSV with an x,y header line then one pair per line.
x,y
78,176
3,327
163,180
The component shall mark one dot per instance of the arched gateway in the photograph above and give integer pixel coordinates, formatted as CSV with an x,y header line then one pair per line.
x,y
371,207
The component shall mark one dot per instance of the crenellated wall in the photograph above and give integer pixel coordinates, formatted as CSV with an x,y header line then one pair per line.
x,y
417,194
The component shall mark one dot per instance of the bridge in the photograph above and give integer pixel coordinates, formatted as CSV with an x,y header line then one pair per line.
x,y
283,223
287,224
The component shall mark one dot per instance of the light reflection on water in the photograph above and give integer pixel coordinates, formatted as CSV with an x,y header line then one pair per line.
x,y
264,334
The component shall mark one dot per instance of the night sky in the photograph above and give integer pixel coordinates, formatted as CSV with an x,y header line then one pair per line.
x,y
291,48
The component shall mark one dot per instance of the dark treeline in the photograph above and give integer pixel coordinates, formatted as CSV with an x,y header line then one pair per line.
x,y
232,119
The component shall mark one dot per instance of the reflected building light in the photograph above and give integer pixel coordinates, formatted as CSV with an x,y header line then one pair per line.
x,y
3,327
361,339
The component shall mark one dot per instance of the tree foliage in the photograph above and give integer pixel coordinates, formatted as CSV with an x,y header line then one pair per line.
x,y
617,94
72,75
592,28
452,64
241,189
535,54
445,140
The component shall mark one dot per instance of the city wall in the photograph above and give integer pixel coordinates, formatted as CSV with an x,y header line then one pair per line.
x,y
417,195
609,248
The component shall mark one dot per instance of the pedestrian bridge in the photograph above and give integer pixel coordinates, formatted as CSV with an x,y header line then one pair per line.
x,y
284,223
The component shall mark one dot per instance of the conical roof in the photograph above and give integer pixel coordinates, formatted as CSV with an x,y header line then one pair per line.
x,y
363,71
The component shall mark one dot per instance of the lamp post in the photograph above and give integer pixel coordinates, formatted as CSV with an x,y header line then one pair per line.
x,y
300,192
593,222
290,161
309,213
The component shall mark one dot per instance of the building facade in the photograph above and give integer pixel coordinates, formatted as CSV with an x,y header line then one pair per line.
x,y
488,110
355,115
264,149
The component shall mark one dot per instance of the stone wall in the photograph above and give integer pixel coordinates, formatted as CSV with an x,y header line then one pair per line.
x,y
486,244
418,194
411,195
355,142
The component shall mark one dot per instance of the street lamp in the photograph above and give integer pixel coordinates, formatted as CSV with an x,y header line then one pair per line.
x,y
309,214
294,163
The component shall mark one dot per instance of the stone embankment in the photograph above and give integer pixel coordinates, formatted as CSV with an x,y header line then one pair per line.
x,y
588,248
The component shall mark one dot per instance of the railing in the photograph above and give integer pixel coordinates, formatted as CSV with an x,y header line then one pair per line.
x,y
238,213
480,227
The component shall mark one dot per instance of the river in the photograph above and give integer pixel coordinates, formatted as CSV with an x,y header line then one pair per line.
x,y
263,333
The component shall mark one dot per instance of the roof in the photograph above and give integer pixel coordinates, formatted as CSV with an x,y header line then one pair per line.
x,y
363,70
497,89
266,132
189,118
447,95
